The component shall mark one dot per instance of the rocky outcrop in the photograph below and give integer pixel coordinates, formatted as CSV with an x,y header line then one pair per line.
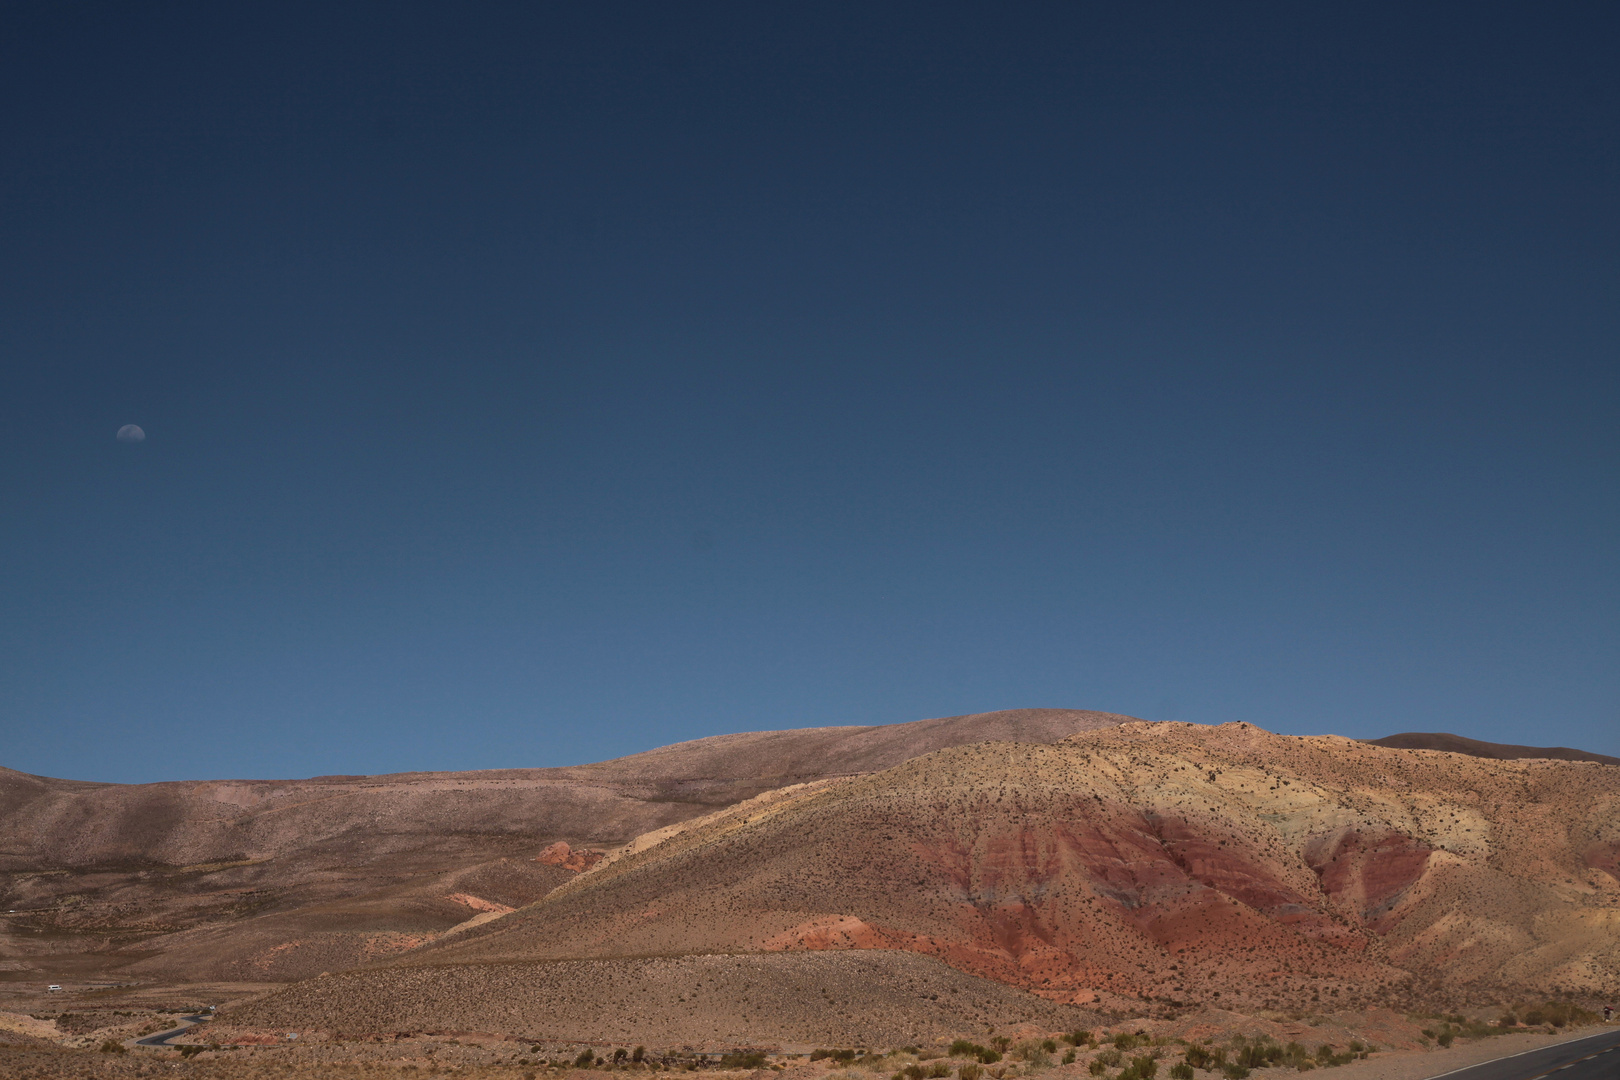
x,y
560,854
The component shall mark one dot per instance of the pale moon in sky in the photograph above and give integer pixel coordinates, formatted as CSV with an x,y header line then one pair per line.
x,y
131,433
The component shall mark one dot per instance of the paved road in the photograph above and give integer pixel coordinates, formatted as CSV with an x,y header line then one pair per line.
x,y
1595,1057
186,1024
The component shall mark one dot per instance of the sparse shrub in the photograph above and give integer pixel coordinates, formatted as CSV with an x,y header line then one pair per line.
x,y
1201,1057
1077,1038
1445,1037
586,1059
1181,1071
1143,1067
190,1051
1097,1067
639,1054
113,1046
970,1071
1034,1053
1001,1042
1049,1045
1110,1058
990,1057
963,1048
1234,1071
1068,1056
754,1059
939,1070
1125,1041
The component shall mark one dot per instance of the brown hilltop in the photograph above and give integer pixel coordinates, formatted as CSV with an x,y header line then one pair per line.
x,y
1170,861
279,879
1458,744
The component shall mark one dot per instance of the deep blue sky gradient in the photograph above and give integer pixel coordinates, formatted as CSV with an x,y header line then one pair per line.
x,y
532,384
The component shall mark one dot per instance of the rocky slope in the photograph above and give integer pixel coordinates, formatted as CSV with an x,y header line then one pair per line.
x,y
1172,862
263,879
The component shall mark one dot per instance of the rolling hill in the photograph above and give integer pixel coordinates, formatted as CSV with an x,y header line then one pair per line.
x,y
1139,865
254,880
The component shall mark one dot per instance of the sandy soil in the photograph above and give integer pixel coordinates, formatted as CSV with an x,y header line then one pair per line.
x,y
1421,1065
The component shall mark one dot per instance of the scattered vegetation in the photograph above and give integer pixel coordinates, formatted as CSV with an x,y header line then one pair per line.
x,y
751,1059
985,1055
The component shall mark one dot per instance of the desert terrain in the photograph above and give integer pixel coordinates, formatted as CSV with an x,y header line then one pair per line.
x,y
1013,876
266,880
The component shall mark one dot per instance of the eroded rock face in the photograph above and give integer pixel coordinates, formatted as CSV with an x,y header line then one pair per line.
x,y
1169,860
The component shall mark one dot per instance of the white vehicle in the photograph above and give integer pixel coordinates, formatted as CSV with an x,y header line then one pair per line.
x,y
54,987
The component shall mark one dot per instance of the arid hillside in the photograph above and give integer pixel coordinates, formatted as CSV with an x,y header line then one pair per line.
x,y
264,880
1171,862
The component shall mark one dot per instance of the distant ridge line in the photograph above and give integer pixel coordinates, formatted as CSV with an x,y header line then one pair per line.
x,y
1458,744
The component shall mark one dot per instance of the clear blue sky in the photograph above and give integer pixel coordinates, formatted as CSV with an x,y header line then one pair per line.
x,y
529,384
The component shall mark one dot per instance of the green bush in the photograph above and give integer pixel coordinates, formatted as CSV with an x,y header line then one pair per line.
x,y
586,1059
1125,1041
1068,1056
1181,1071
1235,1071
113,1046
741,1059
970,1071
1110,1058
963,1048
1077,1038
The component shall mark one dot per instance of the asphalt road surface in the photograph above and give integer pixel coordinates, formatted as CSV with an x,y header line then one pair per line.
x,y
186,1024
1596,1057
